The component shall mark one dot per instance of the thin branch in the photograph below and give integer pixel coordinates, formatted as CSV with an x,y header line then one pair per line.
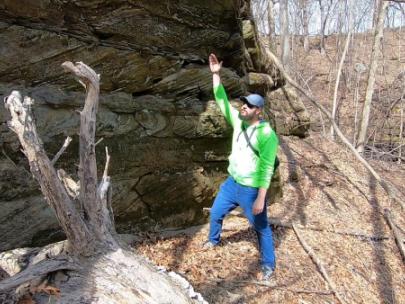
x,y
105,195
11,161
319,264
99,141
65,145
398,239
107,163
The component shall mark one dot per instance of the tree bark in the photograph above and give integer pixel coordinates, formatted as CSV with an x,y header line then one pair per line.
x,y
101,270
378,34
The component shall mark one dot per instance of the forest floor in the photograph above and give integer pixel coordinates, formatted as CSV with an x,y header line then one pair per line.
x,y
337,209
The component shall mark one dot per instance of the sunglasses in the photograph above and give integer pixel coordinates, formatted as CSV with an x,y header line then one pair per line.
x,y
250,106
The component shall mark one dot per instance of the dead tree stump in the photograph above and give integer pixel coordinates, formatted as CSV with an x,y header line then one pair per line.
x,y
91,266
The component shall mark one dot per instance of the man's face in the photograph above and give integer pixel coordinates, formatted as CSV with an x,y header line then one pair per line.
x,y
249,112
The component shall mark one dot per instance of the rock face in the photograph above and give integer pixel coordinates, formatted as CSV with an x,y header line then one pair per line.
x,y
168,141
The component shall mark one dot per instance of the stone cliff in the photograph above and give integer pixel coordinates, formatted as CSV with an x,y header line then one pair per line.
x,y
168,141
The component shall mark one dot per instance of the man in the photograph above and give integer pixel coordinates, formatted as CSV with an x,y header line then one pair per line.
x,y
251,165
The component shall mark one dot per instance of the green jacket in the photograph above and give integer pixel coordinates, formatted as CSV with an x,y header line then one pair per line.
x,y
245,166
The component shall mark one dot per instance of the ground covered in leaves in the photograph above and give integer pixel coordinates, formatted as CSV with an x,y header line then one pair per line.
x,y
337,210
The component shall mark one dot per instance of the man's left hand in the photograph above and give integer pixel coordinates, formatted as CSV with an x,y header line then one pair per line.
x,y
258,206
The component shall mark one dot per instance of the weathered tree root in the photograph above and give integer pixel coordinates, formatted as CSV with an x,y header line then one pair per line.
x,y
38,271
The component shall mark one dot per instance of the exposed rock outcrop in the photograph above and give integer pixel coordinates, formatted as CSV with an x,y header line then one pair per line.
x,y
168,141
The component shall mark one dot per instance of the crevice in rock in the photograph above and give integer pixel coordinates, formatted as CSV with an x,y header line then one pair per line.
x,y
147,205
173,17
90,40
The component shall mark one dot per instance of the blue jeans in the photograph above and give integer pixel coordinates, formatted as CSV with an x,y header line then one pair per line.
x,y
232,195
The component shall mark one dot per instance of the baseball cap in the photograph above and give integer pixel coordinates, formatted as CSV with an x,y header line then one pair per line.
x,y
254,99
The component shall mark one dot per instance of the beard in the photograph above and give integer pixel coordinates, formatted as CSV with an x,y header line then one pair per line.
x,y
246,116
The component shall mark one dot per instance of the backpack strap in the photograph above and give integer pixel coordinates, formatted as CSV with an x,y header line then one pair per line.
x,y
248,138
255,151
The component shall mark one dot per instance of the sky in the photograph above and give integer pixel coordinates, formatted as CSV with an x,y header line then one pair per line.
x,y
362,14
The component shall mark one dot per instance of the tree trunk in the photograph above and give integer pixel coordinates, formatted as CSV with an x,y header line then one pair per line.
x,y
325,11
401,129
323,25
339,71
272,27
99,269
378,34
305,26
376,12
285,45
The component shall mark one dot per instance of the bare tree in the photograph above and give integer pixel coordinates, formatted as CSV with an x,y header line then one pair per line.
x,y
325,7
271,21
260,11
305,23
284,32
378,34
401,129
339,71
375,12
100,269
300,15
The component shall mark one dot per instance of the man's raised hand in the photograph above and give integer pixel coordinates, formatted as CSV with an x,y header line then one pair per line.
x,y
215,65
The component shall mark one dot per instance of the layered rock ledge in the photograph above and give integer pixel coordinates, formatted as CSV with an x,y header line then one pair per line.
x,y
168,141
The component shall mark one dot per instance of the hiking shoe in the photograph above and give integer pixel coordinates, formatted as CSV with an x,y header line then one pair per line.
x,y
208,245
267,272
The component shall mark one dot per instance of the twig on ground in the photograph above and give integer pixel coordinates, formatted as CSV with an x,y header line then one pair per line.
x,y
399,240
318,263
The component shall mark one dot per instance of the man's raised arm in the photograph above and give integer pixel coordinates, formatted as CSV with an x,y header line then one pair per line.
x,y
231,114
215,67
